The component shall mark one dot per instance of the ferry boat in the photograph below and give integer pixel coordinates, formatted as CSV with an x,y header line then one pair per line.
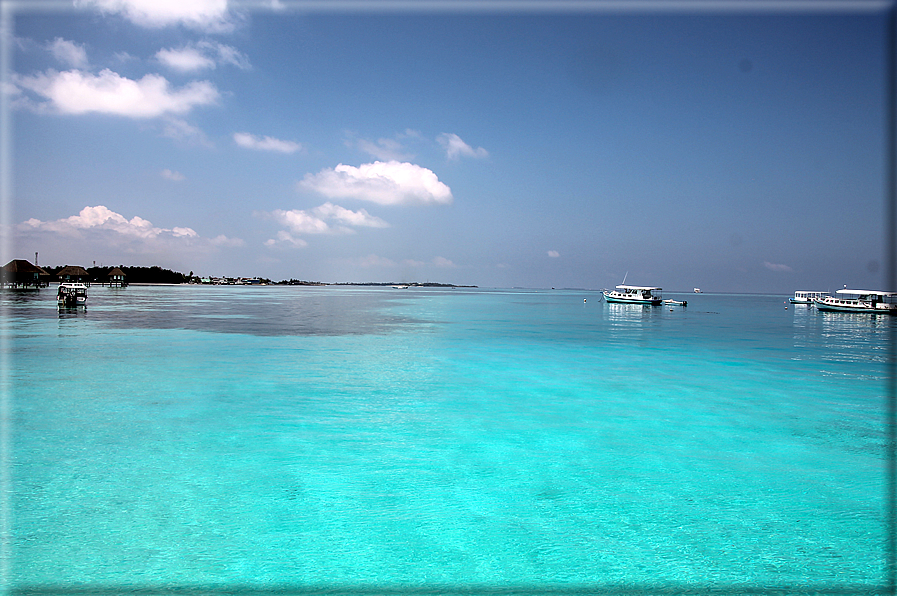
x,y
869,301
634,295
806,297
71,295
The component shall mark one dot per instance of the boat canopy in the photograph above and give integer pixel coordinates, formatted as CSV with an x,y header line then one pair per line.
x,y
866,292
623,287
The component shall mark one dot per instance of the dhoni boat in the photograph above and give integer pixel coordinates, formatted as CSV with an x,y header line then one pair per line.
x,y
634,295
806,297
868,301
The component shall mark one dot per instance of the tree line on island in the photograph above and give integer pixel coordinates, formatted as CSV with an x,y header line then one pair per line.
x,y
159,275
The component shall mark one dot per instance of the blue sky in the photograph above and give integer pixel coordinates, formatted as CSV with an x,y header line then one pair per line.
x,y
739,149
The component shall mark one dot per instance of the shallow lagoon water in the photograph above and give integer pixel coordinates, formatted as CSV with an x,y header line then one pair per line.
x,y
364,439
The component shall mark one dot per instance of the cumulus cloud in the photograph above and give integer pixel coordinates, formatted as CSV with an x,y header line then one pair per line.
x,y
185,59
80,92
324,219
384,149
553,254
201,56
101,218
206,15
283,237
68,52
100,230
222,240
455,148
179,130
443,263
250,141
360,218
386,183
171,175
777,267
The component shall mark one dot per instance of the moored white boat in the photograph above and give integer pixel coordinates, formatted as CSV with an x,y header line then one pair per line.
x,y
867,301
71,295
806,297
634,295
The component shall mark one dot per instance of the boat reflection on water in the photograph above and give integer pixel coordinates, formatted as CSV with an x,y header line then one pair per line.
x,y
630,324
856,337
71,312
630,313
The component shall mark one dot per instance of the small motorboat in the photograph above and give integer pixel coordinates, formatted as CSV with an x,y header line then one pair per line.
x,y
69,295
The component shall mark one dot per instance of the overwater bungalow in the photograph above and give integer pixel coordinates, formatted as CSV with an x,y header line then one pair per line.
x,y
116,277
20,273
74,274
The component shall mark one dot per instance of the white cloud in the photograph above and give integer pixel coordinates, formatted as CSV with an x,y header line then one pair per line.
x,y
201,56
222,240
301,222
185,59
170,175
250,141
100,231
455,148
68,52
386,183
325,219
207,15
179,130
352,218
384,149
79,92
553,254
283,237
443,263
98,217
777,267
228,55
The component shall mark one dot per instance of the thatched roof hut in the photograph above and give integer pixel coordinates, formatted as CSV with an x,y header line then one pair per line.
x,y
116,277
20,272
73,274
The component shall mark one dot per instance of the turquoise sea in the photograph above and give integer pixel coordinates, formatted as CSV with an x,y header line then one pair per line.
x,y
370,440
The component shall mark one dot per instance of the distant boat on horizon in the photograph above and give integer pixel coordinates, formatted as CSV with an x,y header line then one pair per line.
x,y
697,290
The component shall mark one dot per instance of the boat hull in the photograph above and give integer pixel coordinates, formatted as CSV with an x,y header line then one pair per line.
x,y
880,308
624,300
69,302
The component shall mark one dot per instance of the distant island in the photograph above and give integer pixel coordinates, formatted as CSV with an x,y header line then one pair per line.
x,y
428,284
158,275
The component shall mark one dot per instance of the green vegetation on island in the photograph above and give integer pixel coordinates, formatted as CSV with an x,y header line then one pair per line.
x,y
158,275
